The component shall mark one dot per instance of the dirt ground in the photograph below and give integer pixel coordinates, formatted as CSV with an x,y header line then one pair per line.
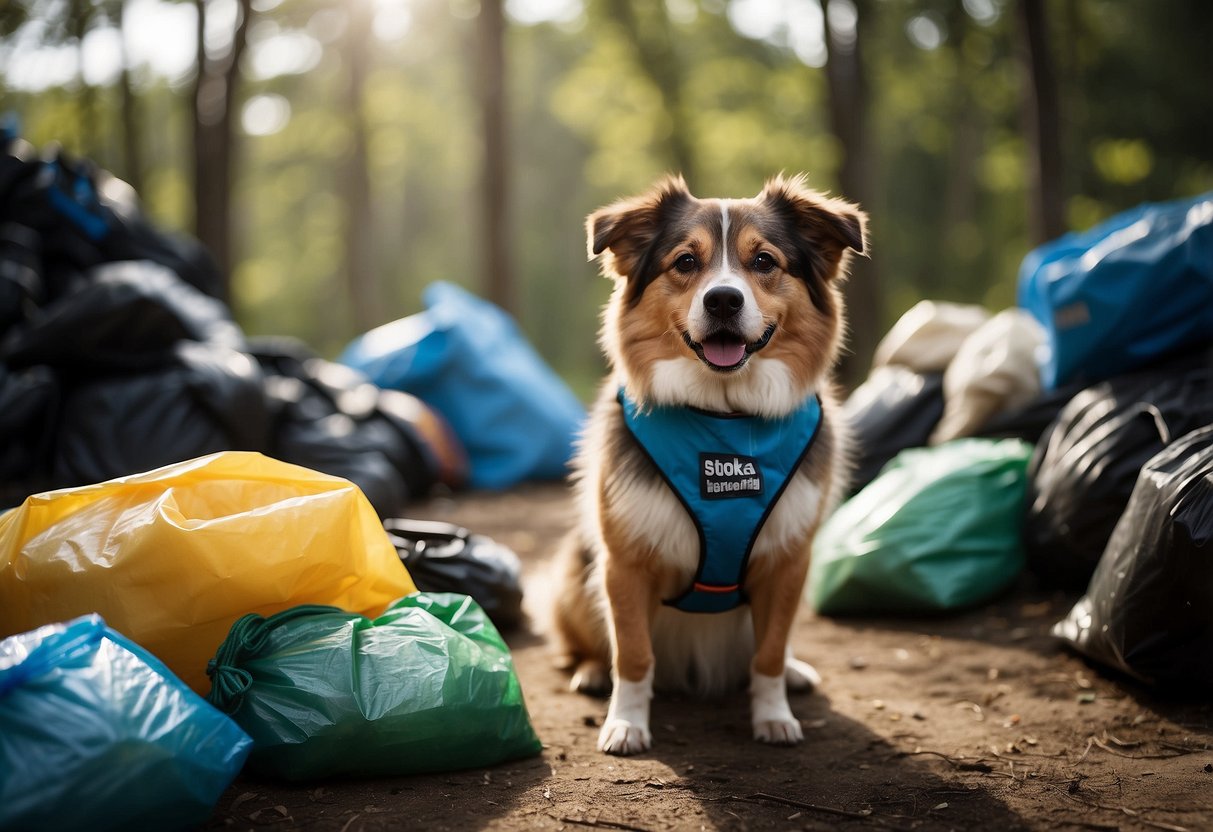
x,y
978,721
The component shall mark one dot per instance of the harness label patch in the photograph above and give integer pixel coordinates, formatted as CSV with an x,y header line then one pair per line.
x,y
722,476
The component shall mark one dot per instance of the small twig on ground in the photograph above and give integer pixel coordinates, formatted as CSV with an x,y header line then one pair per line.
x,y
868,815
1019,754
1186,749
1124,810
350,822
604,824
972,790
1100,743
960,765
1170,827
799,804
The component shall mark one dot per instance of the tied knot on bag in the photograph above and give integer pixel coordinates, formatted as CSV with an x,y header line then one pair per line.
x,y
75,643
246,640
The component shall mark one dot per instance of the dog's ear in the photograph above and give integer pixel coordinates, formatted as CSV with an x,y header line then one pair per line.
x,y
820,220
626,230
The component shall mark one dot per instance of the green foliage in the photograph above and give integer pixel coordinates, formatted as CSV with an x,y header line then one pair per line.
x,y
590,119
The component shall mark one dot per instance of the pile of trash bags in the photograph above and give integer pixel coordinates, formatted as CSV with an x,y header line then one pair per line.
x,y
249,581
1071,436
197,513
119,355
172,557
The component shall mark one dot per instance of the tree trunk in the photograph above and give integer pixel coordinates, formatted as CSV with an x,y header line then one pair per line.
x,y
80,17
360,272
132,148
214,102
847,86
960,194
498,271
1041,123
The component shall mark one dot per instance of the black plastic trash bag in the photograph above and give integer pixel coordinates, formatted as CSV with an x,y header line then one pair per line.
x,y
83,216
330,418
1084,470
1030,421
124,316
210,400
118,355
28,399
20,270
1149,607
896,408
443,557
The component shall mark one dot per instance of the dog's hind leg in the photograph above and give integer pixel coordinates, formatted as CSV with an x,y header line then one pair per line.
x,y
580,641
800,676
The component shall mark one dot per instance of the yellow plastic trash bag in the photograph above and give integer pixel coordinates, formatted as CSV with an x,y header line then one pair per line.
x,y
173,557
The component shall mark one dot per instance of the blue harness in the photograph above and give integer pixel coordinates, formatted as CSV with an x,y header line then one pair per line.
x,y
728,472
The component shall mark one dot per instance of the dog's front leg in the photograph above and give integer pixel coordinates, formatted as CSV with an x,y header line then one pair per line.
x,y
774,600
632,600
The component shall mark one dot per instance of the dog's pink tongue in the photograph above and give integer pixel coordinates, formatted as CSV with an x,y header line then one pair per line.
x,y
723,353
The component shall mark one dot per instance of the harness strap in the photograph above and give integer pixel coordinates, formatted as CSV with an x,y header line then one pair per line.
x,y
728,472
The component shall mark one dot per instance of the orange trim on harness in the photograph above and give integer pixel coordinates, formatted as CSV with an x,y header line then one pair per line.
x,y
715,587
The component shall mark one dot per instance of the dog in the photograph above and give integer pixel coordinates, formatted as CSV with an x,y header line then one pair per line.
x,y
713,451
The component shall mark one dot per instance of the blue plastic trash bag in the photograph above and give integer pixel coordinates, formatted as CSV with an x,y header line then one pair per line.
x,y
466,358
1134,288
96,734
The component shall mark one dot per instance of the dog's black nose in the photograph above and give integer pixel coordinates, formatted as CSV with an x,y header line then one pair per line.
x,y
723,302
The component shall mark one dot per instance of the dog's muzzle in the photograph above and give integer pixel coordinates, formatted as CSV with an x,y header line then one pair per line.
x,y
725,351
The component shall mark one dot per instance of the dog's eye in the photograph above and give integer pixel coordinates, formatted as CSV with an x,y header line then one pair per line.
x,y
686,263
763,262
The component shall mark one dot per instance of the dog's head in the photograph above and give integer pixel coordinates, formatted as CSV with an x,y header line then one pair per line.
x,y
728,305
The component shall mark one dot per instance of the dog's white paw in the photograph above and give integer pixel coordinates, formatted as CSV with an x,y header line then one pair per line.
x,y
626,728
770,713
778,732
620,737
800,676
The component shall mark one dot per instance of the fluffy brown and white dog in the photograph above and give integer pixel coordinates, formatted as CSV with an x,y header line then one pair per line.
x,y
730,308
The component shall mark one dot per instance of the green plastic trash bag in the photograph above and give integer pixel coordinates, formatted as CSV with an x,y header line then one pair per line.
x,y
427,686
938,529
96,734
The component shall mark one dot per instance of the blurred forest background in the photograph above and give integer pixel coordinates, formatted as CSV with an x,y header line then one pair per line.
x,y
339,155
